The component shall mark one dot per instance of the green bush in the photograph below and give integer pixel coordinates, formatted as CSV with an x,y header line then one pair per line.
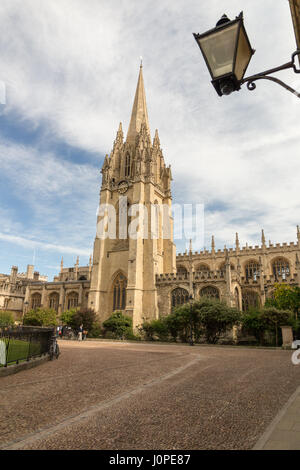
x,y
158,327
253,324
285,298
130,336
274,319
40,317
265,323
118,325
96,331
179,322
215,318
6,319
67,317
206,317
76,317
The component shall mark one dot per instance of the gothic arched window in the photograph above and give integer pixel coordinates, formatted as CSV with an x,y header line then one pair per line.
x,y
281,267
73,300
119,292
127,165
182,271
202,268
250,300
36,301
252,270
210,292
179,297
54,301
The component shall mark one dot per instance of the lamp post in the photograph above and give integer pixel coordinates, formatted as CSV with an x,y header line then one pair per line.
x,y
191,320
227,52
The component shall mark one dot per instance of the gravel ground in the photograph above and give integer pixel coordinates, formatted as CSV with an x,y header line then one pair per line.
x,y
138,396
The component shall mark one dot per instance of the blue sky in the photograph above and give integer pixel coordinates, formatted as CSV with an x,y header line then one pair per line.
x,y
70,70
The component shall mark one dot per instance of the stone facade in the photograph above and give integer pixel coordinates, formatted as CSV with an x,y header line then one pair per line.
x,y
13,288
143,277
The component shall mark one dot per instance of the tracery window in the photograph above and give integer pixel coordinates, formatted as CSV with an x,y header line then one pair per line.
x,y
36,301
182,271
179,297
202,268
250,300
119,293
54,301
281,267
252,270
73,300
210,292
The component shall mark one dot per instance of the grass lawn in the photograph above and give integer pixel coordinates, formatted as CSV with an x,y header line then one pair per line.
x,y
19,350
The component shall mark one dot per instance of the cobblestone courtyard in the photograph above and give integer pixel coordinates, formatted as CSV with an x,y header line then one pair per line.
x,y
106,395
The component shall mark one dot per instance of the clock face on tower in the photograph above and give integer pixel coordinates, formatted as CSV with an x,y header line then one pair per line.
x,y
123,187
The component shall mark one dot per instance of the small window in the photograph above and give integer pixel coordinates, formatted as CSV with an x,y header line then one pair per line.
x,y
127,165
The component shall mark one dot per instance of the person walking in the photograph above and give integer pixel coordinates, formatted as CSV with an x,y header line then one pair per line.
x,y
80,333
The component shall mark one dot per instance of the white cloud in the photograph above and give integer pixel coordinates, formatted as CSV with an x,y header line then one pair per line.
x,y
33,244
72,66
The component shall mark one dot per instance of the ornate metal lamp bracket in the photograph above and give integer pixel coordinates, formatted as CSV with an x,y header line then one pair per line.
x,y
265,75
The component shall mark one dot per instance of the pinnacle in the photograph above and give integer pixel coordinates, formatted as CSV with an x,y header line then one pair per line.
x,y
139,113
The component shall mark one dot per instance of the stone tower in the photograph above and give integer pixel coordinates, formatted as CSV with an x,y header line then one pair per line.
x,y
137,183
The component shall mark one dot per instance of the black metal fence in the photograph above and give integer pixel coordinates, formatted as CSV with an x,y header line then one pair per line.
x,y
23,343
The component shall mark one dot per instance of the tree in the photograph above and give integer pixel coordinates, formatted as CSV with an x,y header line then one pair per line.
x,y
257,322
40,317
6,319
274,318
216,317
254,324
184,322
67,317
206,316
85,317
285,298
118,324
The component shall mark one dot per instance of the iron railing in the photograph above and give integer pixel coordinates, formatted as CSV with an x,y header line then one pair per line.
x,y
23,343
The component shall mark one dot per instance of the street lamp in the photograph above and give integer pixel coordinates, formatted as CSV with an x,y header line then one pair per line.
x,y
227,52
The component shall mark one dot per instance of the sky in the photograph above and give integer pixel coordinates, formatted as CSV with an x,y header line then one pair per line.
x,y
70,70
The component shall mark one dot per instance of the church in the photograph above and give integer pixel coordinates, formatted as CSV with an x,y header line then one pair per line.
x,y
142,276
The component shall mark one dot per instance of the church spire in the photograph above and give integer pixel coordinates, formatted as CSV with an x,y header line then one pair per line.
x,y
139,113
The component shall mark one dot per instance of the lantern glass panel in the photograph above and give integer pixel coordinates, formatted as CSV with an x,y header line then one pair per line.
x,y
219,50
244,54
